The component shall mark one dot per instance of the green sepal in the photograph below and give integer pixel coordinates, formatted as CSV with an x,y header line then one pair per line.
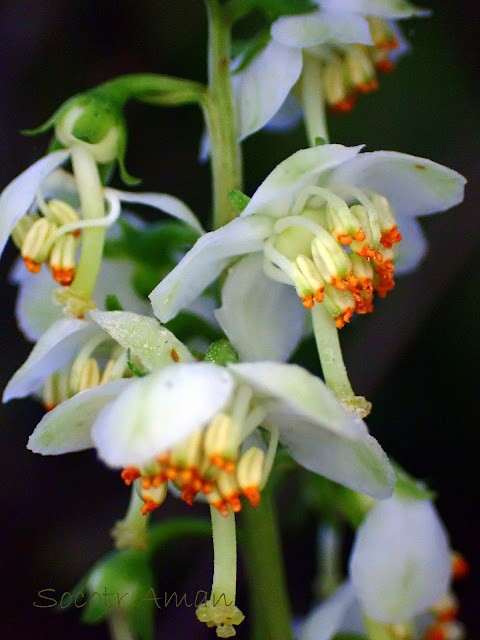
x,y
250,49
112,303
118,573
410,488
136,369
238,200
126,177
319,142
187,325
221,352
48,124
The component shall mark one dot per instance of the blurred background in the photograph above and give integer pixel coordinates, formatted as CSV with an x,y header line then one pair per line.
x,y
416,357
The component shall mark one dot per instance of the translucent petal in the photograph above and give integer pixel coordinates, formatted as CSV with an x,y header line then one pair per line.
x,y
68,427
261,88
321,27
414,186
205,262
287,117
157,412
262,318
169,204
317,431
153,344
381,8
52,352
413,247
17,197
400,563
280,188
325,620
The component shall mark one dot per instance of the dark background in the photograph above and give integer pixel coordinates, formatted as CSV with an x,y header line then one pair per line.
x,y
416,357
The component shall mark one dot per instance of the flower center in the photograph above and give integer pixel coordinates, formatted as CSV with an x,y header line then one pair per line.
x,y
334,252
209,461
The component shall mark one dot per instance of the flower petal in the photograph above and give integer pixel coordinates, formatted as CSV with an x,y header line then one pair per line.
x,y
68,427
36,311
261,88
153,344
169,204
262,318
287,117
414,186
52,352
205,262
17,197
410,252
321,27
381,8
278,191
325,620
400,563
159,411
316,429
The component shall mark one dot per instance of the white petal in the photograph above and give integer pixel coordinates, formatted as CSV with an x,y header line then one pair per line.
x,y
36,310
169,204
413,247
152,343
320,27
325,620
159,411
205,261
261,88
17,197
317,431
414,186
381,8
68,427
262,318
61,185
52,352
278,191
287,117
400,563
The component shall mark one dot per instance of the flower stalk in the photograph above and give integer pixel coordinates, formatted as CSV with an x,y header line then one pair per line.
x,y
313,100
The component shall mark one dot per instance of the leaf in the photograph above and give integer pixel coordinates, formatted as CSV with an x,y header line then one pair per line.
x,y
238,200
112,303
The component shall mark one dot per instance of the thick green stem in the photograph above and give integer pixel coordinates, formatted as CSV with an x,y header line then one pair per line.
x,y
271,613
220,115
312,99
224,584
90,192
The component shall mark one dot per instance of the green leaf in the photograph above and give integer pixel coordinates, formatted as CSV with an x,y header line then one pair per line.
x,y
408,487
221,352
112,303
238,200
249,49
187,325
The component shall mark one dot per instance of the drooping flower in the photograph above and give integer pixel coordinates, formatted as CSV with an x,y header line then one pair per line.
x,y
400,569
326,222
349,40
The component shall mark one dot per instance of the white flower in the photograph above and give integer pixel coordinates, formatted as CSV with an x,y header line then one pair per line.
x,y
324,221
186,422
400,567
328,34
41,210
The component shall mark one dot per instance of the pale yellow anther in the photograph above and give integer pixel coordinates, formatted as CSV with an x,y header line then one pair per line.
x,y
331,261
21,229
446,604
227,485
49,394
90,375
61,212
62,259
155,494
362,268
310,273
360,68
250,468
189,453
220,438
335,83
382,35
386,215
38,240
337,302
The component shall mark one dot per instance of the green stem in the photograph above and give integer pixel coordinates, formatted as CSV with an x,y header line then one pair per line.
x,y
330,352
220,115
224,585
312,99
271,613
90,192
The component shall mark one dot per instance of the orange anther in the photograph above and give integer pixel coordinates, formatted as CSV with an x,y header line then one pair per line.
x,y
174,355
367,87
130,474
222,506
234,502
336,282
229,466
390,237
163,458
308,302
188,495
344,106
359,236
171,473
448,615
319,295
366,284
385,65
252,494
63,276
344,239
32,266
207,487
387,45
146,482
48,406
460,567
150,505
435,632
